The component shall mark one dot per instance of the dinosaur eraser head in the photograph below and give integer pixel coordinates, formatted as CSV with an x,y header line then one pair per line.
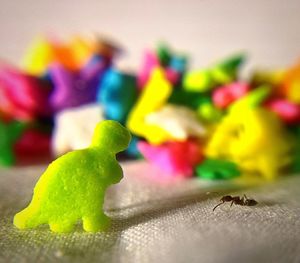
x,y
112,135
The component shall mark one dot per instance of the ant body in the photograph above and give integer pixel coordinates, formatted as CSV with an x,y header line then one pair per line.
x,y
244,201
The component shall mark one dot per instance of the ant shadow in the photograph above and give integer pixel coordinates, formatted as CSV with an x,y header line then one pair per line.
x,y
268,203
142,212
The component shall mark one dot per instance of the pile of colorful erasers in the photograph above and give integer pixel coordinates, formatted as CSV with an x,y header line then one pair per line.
x,y
206,122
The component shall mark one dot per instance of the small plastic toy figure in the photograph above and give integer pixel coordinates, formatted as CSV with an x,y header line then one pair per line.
x,y
45,50
150,62
216,169
176,158
179,122
291,84
253,138
23,97
117,93
219,74
154,96
73,89
9,134
73,186
225,95
74,121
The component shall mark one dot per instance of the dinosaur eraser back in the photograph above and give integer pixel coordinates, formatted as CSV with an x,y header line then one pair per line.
x,y
73,186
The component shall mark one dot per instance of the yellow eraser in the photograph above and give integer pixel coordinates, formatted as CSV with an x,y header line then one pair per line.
x,y
39,55
254,138
153,97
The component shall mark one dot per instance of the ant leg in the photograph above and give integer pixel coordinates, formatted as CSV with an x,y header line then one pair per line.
x,y
232,202
217,205
245,200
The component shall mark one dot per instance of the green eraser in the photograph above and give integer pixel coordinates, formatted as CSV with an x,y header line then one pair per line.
x,y
215,169
73,186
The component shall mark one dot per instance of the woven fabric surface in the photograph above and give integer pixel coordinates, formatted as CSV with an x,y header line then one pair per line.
x,y
161,221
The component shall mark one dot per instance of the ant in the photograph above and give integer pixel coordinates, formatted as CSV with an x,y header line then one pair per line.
x,y
244,201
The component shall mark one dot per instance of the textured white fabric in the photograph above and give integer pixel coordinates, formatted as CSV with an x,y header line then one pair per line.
x,y
161,222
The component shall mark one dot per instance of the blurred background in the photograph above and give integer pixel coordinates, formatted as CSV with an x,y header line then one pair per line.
x,y
41,98
205,29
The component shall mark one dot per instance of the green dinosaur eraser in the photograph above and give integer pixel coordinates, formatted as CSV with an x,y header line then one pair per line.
x,y
73,186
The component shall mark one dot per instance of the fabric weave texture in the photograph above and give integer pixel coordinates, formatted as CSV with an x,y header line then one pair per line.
x,y
161,221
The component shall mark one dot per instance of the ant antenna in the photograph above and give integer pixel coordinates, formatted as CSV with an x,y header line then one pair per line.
x,y
217,205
